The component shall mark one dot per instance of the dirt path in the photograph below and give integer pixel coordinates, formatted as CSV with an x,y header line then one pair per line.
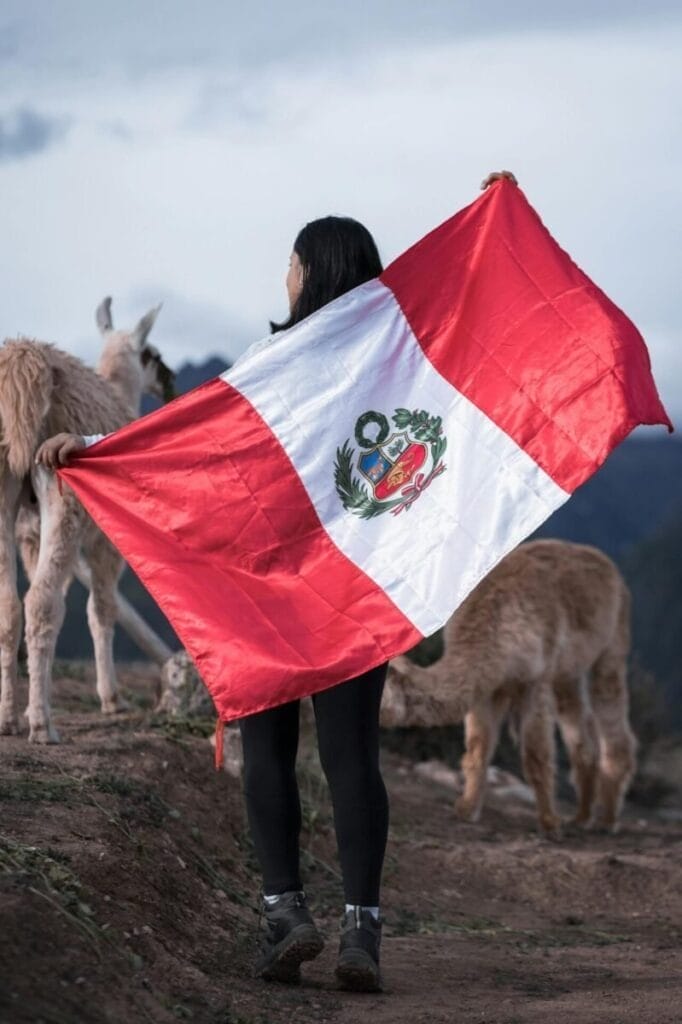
x,y
127,887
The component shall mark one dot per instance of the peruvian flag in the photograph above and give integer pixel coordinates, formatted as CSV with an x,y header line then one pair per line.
x,y
333,497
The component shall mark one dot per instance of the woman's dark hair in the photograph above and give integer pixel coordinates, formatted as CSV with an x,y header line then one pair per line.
x,y
337,253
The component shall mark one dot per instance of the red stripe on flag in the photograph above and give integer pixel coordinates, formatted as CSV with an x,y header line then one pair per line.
x,y
509,320
220,529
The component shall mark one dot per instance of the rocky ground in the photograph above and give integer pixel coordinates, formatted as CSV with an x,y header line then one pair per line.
x,y
128,893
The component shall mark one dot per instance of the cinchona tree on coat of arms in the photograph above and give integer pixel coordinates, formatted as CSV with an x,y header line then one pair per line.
x,y
395,466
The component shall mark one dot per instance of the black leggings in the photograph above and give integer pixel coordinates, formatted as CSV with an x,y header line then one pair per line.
x,y
347,719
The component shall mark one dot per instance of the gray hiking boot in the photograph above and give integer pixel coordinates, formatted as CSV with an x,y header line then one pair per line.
x,y
358,966
289,938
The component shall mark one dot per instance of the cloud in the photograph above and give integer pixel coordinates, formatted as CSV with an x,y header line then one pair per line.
x,y
10,34
117,129
198,177
24,133
190,330
86,39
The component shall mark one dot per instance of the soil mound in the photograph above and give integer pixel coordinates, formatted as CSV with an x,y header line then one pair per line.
x,y
128,892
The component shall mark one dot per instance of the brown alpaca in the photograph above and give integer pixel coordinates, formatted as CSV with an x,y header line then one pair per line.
x,y
44,391
543,638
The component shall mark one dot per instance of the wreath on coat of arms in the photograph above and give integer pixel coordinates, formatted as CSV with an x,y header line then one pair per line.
x,y
398,464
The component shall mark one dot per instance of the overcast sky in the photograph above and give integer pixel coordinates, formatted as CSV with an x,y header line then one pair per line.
x,y
171,151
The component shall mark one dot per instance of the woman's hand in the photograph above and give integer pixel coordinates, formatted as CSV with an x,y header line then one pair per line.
x,y
57,450
497,176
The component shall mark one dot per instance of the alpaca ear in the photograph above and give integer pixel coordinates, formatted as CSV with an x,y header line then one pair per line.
x,y
139,335
103,315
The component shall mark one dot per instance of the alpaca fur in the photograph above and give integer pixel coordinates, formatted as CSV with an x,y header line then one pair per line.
x,y
543,638
44,391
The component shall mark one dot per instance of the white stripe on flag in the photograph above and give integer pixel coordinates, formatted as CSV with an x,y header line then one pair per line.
x,y
365,357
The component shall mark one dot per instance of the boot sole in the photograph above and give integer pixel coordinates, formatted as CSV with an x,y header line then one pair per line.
x,y
301,944
359,974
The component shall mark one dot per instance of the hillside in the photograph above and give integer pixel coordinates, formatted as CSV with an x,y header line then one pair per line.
x,y
128,892
635,493
654,571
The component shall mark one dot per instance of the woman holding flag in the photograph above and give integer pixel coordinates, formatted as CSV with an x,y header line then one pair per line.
x,y
330,256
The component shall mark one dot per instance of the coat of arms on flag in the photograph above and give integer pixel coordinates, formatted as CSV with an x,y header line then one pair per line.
x,y
397,464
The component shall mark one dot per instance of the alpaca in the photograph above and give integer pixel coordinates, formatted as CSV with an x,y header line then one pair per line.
x,y
44,391
543,638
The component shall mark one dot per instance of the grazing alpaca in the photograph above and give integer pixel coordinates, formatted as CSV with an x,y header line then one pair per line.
x,y
44,391
544,637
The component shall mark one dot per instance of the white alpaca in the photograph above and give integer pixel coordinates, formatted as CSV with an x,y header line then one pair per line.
x,y
44,391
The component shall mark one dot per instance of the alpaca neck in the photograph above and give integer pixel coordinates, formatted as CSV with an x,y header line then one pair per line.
x,y
433,679
437,695
445,684
121,367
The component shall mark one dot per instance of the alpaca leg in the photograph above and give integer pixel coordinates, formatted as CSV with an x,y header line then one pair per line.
x,y
538,756
10,608
580,736
27,533
61,524
481,732
28,542
617,743
105,568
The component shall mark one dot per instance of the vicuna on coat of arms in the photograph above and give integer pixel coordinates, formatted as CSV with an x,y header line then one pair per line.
x,y
398,463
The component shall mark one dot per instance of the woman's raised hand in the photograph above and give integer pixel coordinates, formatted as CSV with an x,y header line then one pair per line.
x,y
496,176
57,450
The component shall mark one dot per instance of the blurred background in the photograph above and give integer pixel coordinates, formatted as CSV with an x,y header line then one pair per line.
x,y
171,152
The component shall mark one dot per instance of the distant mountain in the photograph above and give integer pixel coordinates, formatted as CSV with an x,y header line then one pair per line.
x,y
190,375
653,570
636,492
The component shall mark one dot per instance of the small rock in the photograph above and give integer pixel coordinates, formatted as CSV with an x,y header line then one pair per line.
x,y
439,772
182,689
